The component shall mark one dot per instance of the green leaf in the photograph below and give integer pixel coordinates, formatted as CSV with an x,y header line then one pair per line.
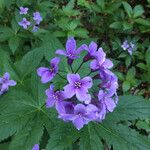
x,y
89,139
143,21
128,9
62,137
29,135
101,3
128,61
121,137
141,65
30,61
138,11
116,25
131,108
14,43
50,45
131,73
148,56
126,86
5,33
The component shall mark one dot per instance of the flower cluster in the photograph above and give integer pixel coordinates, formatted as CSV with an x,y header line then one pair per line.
x,y
129,46
5,83
79,101
34,21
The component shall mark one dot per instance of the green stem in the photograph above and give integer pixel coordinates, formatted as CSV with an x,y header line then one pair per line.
x,y
79,67
61,76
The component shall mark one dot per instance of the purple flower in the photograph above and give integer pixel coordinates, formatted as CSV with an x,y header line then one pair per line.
x,y
80,117
35,29
109,81
71,51
125,45
24,10
100,62
106,100
55,98
36,147
24,23
47,74
37,17
5,82
129,46
78,87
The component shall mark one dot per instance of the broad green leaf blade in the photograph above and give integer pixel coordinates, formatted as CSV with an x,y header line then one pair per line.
x,y
130,108
30,61
14,43
89,139
50,45
138,11
29,135
17,108
121,137
62,137
128,9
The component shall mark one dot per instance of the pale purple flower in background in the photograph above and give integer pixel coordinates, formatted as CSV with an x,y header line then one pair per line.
x,y
100,61
72,52
5,83
35,29
129,46
78,87
37,17
125,45
36,147
55,98
106,100
24,10
47,74
24,23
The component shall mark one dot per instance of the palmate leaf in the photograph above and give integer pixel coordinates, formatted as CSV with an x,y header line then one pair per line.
x,y
62,137
121,137
130,108
22,114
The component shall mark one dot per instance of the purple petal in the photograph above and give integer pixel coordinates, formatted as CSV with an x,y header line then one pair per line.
x,y
79,123
92,48
82,95
69,91
41,71
81,48
11,83
101,95
73,78
49,92
6,76
80,108
71,45
61,52
35,147
110,104
91,108
94,64
55,61
87,82
1,80
50,102
107,64
46,77
60,107
101,56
